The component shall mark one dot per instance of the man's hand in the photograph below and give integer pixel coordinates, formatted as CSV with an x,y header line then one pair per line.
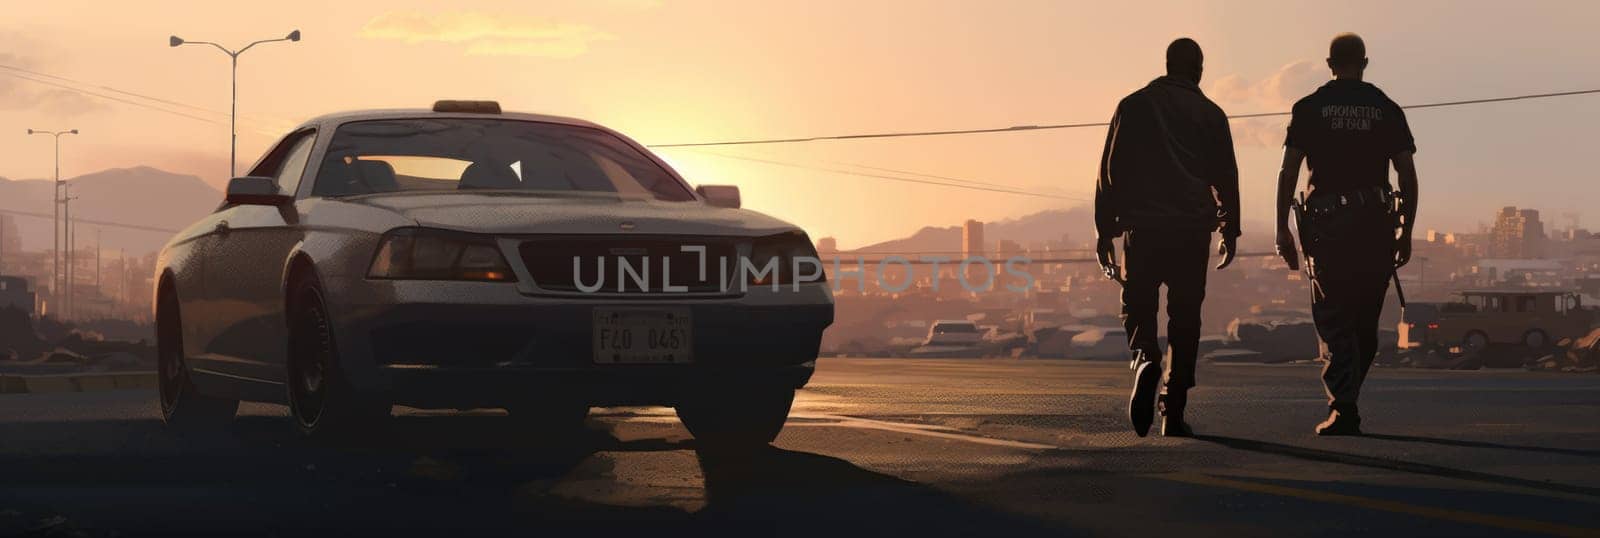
x,y
1286,249
1226,248
1402,249
1106,251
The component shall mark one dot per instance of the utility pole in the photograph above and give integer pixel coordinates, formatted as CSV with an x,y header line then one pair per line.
x,y
122,280
71,234
55,220
98,291
1422,276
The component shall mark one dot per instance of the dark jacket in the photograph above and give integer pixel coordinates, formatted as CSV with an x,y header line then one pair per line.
x,y
1168,164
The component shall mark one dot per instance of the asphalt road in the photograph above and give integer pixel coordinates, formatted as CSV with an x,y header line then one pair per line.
x,y
874,447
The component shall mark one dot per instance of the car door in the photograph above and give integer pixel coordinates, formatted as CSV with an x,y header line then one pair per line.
x,y
244,269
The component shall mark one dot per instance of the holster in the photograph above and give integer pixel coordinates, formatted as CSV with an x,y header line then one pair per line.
x,y
1326,217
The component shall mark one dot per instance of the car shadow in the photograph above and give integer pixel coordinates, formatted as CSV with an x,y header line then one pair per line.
x,y
438,474
810,494
1329,456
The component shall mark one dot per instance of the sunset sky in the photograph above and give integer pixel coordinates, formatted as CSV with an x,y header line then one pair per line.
x,y
681,71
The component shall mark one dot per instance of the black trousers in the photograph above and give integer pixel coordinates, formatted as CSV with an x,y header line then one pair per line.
x,y
1179,260
1351,260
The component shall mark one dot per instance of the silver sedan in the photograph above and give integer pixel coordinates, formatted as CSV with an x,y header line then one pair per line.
x,y
462,257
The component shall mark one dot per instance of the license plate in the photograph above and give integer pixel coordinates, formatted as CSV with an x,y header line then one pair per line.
x,y
642,336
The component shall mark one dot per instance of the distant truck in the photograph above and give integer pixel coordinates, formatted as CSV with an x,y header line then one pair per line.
x,y
14,293
1532,318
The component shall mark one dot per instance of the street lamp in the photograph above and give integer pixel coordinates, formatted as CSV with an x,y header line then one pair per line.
x,y
55,203
233,113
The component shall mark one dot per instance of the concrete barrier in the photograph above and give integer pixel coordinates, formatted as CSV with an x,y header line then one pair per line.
x,y
36,384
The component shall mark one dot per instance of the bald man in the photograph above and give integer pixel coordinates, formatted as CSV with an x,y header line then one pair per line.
x,y
1354,230
1167,181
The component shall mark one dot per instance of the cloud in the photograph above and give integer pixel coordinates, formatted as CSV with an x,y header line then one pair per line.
x,y
17,93
1275,93
486,34
635,4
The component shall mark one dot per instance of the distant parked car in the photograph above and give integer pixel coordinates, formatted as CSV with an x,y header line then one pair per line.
x,y
461,257
953,333
1532,318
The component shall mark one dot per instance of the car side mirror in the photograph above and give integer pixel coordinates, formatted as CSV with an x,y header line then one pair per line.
x,y
256,190
719,195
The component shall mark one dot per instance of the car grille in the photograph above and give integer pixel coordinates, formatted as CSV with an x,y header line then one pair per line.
x,y
550,263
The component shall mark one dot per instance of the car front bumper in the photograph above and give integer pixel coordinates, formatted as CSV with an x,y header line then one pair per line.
x,y
469,344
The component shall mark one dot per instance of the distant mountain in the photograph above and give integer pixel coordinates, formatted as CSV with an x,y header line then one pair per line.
x,y
1076,224
141,196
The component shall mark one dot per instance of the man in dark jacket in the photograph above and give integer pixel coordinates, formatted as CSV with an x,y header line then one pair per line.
x,y
1168,179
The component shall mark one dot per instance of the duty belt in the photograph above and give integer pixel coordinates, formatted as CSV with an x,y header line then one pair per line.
x,y
1320,205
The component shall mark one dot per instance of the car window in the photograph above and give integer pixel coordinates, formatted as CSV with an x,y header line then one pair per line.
x,y
286,162
459,154
294,164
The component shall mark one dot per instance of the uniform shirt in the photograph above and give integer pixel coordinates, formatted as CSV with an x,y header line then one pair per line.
x,y
1168,164
1348,130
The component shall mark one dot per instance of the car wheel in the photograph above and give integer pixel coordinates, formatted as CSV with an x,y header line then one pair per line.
x,y
182,407
322,403
736,419
1535,340
1474,341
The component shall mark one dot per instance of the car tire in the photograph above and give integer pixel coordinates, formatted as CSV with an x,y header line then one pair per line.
x,y
183,408
1536,340
322,402
736,420
1474,341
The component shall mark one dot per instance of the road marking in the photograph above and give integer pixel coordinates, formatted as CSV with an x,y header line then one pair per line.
x,y
925,430
1476,518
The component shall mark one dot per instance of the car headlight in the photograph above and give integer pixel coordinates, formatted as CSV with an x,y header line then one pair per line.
x,y
428,254
793,256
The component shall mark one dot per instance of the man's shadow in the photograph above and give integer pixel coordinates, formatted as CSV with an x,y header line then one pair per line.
x,y
1484,444
1330,456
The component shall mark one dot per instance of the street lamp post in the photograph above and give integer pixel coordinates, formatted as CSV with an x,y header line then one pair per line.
x,y
233,112
55,223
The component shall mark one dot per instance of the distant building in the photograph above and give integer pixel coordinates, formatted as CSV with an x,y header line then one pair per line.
x,y
972,247
1517,234
972,239
10,239
14,293
827,245
1007,247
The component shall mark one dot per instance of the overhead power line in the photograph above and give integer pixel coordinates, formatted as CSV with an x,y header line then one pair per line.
x,y
930,176
112,98
1023,128
94,90
977,187
109,224
111,89
850,262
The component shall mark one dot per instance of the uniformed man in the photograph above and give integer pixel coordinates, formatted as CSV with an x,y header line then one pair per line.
x,y
1168,179
1354,231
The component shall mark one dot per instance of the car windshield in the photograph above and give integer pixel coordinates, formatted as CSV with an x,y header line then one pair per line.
x,y
450,154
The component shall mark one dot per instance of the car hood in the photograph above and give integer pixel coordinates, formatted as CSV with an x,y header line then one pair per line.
x,y
525,214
